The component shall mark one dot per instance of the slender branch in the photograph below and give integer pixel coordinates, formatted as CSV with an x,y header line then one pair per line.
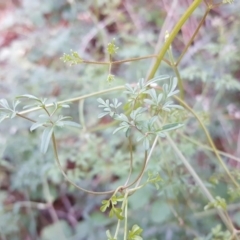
x,y
199,181
147,160
209,148
209,140
89,191
75,99
117,229
131,160
193,37
172,36
27,118
124,60
65,175
126,215
175,69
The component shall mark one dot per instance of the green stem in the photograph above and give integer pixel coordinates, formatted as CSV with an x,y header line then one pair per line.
x,y
117,229
124,60
193,37
89,191
27,118
209,140
65,175
172,36
175,69
126,215
147,157
199,181
209,148
75,99
131,160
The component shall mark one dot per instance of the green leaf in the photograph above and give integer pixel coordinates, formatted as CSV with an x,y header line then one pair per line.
x,y
157,79
100,100
118,213
121,117
71,124
46,137
105,205
29,96
100,115
125,128
134,233
4,103
36,125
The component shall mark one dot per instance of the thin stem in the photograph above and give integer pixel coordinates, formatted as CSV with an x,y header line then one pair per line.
x,y
117,229
65,175
172,36
75,99
209,140
193,37
175,69
207,194
147,160
131,160
126,215
89,191
124,60
209,148
27,118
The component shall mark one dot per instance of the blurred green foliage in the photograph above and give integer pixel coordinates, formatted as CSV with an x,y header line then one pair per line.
x,y
34,35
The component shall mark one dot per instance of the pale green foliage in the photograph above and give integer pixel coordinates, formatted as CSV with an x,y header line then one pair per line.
x,y
47,120
95,161
147,117
7,111
154,179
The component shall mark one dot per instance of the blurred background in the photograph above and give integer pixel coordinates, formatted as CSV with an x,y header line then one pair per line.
x,y
36,203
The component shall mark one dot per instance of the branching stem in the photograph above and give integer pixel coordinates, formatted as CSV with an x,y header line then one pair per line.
x,y
172,36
